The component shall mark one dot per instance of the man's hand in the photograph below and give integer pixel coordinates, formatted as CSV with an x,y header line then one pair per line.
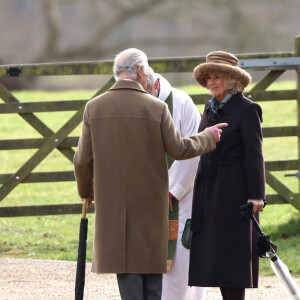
x,y
258,204
216,131
89,200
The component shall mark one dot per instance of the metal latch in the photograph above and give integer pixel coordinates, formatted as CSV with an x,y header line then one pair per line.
x,y
14,71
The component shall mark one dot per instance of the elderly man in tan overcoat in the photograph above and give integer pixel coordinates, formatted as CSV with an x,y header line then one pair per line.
x,y
120,163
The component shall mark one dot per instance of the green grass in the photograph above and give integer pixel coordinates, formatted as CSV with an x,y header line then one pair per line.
x,y
50,237
56,237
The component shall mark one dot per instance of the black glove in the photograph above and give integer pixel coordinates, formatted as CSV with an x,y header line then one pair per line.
x,y
246,210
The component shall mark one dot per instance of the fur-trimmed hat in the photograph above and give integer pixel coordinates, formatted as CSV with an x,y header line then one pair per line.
x,y
221,62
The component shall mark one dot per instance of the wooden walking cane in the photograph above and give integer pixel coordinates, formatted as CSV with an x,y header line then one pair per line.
x,y
84,208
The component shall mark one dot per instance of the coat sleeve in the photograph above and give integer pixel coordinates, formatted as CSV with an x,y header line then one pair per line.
x,y
83,159
182,173
179,148
254,160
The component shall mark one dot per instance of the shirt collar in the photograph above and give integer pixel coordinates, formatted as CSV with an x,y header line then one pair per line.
x,y
215,105
164,87
128,79
225,100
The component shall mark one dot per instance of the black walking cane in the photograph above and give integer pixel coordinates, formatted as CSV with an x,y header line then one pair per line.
x,y
266,249
81,259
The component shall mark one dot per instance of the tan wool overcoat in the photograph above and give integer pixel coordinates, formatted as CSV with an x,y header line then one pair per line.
x,y
121,158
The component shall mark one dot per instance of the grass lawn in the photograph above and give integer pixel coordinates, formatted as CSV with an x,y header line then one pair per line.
x,y
56,237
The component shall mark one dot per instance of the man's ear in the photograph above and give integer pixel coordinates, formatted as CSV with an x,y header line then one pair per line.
x,y
140,71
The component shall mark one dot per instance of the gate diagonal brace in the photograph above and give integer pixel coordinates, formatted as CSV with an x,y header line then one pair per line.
x,y
282,190
52,143
34,121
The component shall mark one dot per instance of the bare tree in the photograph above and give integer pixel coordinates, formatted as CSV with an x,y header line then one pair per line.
x,y
108,16
61,30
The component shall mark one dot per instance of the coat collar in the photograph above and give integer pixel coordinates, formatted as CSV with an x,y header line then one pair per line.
x,y
127,84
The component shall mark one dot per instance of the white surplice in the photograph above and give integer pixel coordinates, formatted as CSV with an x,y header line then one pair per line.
x,y
181,181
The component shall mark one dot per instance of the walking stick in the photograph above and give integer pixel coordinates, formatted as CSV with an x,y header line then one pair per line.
x,y
81,259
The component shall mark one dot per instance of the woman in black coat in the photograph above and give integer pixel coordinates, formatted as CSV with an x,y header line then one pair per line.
x,y
223,247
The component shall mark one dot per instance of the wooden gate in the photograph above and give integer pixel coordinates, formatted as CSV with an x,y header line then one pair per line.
x,y
273,64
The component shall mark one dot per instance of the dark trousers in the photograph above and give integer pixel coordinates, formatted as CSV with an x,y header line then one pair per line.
x,y
140,286
233,293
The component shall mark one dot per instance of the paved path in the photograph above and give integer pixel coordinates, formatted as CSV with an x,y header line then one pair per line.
x,y
32,279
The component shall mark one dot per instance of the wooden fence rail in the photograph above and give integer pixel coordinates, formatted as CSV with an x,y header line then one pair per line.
x,y
274,64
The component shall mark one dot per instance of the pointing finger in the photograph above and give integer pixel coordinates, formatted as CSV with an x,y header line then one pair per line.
x,y
221,125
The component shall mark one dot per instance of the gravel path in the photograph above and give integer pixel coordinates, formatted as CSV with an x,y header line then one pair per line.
x,y
24,279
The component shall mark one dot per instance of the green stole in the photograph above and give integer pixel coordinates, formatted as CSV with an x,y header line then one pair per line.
x,y
173,215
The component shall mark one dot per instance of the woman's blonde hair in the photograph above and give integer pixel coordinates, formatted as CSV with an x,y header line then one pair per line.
x,y
231,84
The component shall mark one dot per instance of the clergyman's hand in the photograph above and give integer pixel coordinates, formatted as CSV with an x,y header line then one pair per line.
x,y
216,130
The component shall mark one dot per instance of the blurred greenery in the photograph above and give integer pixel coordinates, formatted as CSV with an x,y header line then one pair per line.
x,y
56,237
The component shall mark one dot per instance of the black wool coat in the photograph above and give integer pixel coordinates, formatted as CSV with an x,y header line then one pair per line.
x,y
223,248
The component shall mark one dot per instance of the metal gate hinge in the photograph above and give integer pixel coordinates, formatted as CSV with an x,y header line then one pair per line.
x,y
296,174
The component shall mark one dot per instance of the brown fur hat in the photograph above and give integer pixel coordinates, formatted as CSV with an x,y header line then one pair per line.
x,y
221,62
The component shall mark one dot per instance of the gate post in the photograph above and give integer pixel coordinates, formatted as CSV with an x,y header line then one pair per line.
x,y
297,53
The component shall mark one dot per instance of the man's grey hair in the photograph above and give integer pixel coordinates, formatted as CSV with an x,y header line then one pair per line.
x,y
128,61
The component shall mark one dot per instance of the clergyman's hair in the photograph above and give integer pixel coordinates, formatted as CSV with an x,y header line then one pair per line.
x,y
128,61
151,80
